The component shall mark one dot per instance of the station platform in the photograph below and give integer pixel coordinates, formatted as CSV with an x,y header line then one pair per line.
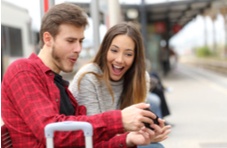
x,y
198,105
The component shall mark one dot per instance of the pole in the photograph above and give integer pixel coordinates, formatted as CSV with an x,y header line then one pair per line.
x,y
114,12
94,10
144,24
45,6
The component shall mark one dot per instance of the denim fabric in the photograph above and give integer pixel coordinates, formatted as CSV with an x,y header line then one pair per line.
x,y
153,145
155,104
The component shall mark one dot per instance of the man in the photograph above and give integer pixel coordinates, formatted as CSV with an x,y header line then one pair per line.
x,y
34,94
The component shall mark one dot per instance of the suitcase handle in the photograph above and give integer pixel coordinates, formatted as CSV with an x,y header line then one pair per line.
x,y
69,126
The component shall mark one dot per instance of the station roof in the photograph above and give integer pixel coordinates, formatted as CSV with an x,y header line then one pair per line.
x,y
175,12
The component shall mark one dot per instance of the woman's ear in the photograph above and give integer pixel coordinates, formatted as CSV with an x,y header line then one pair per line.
x,y
47,38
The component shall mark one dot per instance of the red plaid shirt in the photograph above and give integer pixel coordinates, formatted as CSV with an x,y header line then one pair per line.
x,y
30,100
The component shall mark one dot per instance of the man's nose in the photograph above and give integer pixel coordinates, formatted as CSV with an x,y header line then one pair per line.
x,y
77,47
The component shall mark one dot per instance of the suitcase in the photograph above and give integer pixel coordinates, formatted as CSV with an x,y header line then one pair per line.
x,y
68,126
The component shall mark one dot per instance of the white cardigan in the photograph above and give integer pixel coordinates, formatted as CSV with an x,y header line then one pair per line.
x,y
94,93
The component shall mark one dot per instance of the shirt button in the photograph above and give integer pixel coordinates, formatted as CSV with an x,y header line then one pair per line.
x,y
56,100
50,74
120,145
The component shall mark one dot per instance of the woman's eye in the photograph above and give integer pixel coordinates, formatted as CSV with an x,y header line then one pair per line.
x,y
113,50
129,54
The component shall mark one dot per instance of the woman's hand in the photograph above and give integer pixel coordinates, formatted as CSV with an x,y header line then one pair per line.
x,y
147,136
142,137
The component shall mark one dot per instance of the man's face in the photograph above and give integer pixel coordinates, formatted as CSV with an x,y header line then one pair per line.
x,y
66,47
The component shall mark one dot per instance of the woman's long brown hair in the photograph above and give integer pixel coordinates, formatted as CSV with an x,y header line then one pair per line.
x,y
134,86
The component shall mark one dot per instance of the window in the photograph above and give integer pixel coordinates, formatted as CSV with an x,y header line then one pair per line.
x,y
11,41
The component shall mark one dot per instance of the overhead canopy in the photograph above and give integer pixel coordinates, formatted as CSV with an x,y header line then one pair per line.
x,y
176,13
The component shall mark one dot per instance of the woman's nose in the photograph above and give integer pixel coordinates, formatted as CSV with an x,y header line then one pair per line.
x,y
119,58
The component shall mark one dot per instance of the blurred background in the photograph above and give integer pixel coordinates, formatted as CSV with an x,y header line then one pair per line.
x,y
185,43
173,30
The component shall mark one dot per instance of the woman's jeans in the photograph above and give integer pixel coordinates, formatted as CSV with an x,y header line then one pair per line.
x,y
153,145
155,104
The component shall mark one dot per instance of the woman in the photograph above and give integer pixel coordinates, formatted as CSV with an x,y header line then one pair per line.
x,y
117,76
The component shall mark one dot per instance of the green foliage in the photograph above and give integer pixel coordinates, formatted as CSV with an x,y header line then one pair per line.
x,y
203,51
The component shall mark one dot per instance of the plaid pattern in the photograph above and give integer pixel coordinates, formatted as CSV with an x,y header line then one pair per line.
x,y
30,100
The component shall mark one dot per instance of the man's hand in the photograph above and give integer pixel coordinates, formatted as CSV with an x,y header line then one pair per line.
x,y
134,116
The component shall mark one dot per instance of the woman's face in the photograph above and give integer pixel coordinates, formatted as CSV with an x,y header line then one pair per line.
x,y
120,56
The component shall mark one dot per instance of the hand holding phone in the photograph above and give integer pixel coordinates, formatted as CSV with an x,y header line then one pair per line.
x,y
147,125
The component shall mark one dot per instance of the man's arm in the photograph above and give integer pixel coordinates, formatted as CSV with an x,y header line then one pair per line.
x,y
118,141
36,108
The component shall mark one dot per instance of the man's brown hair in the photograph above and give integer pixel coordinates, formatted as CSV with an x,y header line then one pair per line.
x,y
64,13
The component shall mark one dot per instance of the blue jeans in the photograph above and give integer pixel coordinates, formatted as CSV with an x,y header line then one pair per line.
x,y
155,104
153,145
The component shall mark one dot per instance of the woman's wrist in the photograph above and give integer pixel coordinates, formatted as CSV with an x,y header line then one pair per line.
x,y
129,141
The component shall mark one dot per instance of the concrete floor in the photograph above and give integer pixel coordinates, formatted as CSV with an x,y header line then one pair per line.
x,y
198,105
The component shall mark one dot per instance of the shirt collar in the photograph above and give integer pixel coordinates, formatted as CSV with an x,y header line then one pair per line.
x,y
39,62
